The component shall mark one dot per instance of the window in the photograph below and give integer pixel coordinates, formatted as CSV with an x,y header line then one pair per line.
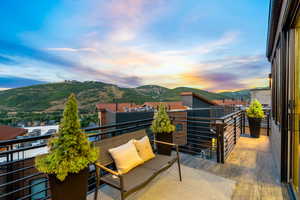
x,y
179,127
38,188
277,86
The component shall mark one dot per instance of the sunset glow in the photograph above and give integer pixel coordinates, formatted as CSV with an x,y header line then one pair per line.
x,y
211,45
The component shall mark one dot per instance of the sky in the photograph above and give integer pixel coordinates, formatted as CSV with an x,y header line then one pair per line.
x,y
214,45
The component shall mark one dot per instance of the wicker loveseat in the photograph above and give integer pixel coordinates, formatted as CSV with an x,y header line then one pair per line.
x,y
137,177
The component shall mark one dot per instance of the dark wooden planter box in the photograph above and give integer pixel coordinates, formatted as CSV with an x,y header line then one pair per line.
x,y
254,126
163,148
73,187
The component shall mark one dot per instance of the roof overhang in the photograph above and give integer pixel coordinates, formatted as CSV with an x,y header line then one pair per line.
x,y
282,15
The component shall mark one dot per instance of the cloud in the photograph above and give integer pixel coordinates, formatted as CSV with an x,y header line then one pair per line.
x,y
65,49
230,73
108,77
23,51
13,82
209,47
71,68
124,20
7,61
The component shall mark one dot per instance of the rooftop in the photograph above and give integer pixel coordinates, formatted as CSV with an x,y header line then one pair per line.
x,y
249,173
8,132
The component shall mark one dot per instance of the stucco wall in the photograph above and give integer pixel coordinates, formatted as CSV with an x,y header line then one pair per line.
x,y
263,96
275,138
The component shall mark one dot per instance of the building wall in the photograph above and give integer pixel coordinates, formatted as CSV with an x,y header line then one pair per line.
x,y
122,117
198,103
194,102
179,120
275,140
187,100
263,96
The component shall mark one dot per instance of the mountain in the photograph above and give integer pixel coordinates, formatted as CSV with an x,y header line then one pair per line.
x,y
51,97
242,94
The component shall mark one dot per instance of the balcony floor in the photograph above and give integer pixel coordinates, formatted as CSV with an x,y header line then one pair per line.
x,y
251,165
249,173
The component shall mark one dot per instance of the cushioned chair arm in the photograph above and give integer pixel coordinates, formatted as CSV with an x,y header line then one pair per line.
x,y
167,143
107,169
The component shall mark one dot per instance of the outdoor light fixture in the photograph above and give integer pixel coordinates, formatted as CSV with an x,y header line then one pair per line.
x,y
270,80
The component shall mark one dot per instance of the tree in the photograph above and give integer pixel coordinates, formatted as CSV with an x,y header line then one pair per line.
x,y
70,151
161,122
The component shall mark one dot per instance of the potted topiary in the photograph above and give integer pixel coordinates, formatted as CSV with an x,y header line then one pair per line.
x,y
70,154
163,130
255,114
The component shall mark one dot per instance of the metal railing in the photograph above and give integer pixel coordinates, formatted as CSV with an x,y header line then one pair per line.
x,y
229,129
208,137
17,170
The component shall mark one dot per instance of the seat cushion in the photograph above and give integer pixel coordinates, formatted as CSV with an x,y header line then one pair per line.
x,y
126,157
144,148
159,162
134,178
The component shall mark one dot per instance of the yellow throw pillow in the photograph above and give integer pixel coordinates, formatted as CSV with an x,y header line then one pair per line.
x,y
126,157
144,148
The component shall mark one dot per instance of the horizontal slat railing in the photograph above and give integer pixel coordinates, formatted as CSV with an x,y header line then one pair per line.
x,y
229,130
17,170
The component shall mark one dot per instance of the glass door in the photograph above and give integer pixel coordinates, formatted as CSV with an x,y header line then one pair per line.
x,y
294,106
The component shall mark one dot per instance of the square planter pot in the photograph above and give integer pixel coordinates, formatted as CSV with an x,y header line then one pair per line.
x,y
73,187
163,148
254,126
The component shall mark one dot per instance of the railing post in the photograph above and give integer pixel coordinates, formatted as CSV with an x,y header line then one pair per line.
x,y
241,123
235,137
220,141
268,123
244,122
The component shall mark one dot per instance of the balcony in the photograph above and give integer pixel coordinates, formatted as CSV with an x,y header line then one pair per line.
x,y
219,161
248,173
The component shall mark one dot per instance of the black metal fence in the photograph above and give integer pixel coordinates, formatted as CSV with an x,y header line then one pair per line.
x,y
208,137
213,138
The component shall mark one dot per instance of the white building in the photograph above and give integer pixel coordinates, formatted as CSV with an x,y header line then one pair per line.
x,y
263,95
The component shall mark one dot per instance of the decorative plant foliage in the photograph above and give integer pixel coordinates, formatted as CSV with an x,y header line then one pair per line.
x,y
161,122
255,110
69,150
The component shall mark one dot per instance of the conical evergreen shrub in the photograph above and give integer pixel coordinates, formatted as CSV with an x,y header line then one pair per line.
x,y
255,110
69,150
161,122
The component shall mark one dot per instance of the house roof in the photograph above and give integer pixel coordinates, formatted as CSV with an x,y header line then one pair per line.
x,y
8,132
125,107
175,105
282,15
257,89
115,107
198,97
228,102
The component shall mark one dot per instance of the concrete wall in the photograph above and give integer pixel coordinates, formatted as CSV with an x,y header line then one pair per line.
x,y
194,102
275,139
263,96
198,103
187,100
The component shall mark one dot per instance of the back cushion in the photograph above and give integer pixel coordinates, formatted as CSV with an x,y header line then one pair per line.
x,y
108,143
144,148
126,157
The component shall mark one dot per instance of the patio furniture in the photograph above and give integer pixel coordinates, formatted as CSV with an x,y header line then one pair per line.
x,y
136,178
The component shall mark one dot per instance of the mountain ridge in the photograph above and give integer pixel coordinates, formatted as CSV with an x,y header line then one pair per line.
x,y
51,96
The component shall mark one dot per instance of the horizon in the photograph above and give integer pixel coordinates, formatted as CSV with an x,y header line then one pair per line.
x,y
130,43
5,89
